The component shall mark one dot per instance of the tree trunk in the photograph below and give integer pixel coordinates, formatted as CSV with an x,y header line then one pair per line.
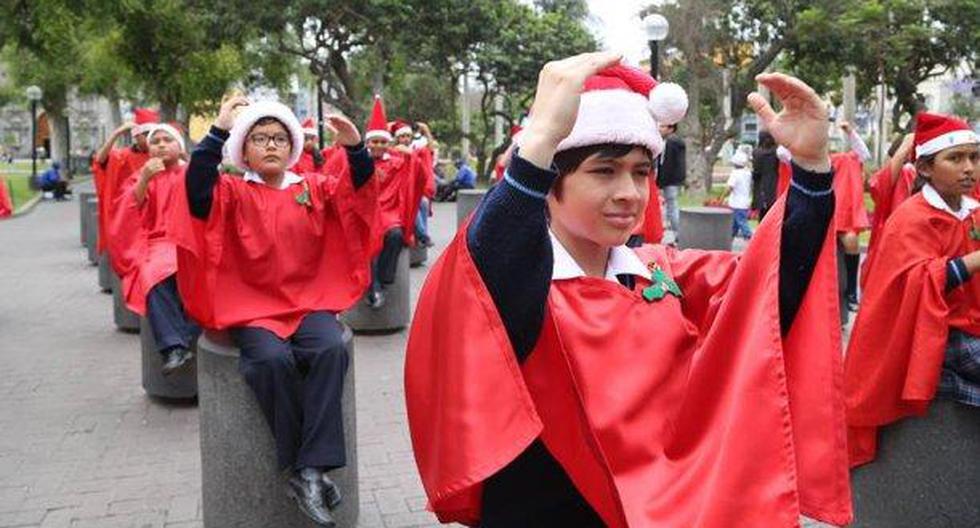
x,y
168,110
692,134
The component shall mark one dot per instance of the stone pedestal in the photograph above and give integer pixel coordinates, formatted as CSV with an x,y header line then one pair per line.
x,y
92,228
181,385
705,228
418,255
241,483
125,319
105,273
466,202
86,195
395,313
926,474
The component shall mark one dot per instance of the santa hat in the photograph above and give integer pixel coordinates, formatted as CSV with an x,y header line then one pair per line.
x,y
399,127
235,146
144,119
623,104
377,127
169,129
935,132
309,127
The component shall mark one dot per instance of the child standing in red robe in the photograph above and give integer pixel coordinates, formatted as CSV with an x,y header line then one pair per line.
x,y
917,335
273,256
585,383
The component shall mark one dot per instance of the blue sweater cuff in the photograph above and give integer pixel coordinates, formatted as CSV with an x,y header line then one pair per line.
x,y
528,178
812,183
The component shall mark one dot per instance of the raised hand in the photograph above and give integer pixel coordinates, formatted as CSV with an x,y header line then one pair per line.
x,y
344,131
556,103
123,128
801,126
151,168
229,110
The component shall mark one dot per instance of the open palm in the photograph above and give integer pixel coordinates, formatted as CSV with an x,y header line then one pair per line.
x,y
801,126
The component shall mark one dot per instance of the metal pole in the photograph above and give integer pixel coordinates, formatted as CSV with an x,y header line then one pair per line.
x,y
33,142
319,111
654,59
68,144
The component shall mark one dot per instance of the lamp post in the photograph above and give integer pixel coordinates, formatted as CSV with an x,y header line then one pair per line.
x,y
33,95
656,27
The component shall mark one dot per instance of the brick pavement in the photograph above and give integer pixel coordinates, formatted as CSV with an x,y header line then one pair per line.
x,y
82,446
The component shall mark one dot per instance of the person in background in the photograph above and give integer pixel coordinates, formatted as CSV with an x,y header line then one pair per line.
x,y
671,173
765,174
739,194
50,181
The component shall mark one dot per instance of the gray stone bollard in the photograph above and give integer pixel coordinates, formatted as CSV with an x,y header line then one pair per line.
x,y
92,227
418,255
241,483
466,202
85,194
705,228
105,273
396,311
181,385
125,319
926,474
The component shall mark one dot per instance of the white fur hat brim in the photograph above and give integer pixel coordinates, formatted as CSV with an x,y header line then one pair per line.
x,y
371,134
235,146
163,127
614,116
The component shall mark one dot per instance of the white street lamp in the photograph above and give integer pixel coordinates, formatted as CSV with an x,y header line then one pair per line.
x,y
656,27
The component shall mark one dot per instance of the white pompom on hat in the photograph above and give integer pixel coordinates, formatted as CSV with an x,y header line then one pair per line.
x,y
169,129
251,114
623,104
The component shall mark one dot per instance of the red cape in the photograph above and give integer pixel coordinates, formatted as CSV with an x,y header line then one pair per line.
x,y
141,247
121,164
427,170
401,182
850,213
264,258
785,175
727,425
899,340
887,195
6,205
652,227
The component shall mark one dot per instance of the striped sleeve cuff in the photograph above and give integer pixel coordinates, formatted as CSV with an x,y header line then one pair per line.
x,y
956,273
528,178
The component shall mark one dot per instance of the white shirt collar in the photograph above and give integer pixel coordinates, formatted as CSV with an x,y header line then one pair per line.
x,y
967,205
622,261
287,179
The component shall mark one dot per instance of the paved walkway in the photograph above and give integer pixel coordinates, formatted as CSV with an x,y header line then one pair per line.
x,y
81,445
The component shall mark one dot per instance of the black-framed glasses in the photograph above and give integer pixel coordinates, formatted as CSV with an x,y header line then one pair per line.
x,y
278,140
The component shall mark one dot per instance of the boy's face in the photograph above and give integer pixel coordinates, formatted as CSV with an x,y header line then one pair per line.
x,y
141,143
953,171
404,139
309,143
164,146
377,146
603,200
267,149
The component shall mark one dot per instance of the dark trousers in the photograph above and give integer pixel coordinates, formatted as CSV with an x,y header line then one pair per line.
x,y
59,188
170,324
299,383
384,267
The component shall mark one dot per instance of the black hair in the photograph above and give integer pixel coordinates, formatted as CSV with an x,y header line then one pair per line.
x,y
568,161
766,141
268,120
920,180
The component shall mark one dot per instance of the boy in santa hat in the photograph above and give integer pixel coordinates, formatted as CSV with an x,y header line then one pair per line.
x,y
112,166
917,335
424,149
273,256
401,181
143,249
585,383
311,160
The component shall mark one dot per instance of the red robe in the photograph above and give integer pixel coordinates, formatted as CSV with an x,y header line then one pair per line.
x,y
6,204
899,340
887,195
121,164
725,424
305,165
425,161
267,257
140,243
652,226
850,213
401,182
785,175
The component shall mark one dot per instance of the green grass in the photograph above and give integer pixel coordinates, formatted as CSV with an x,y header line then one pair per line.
x,y
20,190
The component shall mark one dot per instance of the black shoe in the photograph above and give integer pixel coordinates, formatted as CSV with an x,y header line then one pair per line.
x,y
175,358
308,495
376,299
331,492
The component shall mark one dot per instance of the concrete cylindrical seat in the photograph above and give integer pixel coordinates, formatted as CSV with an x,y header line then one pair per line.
x,y
926,473
92,227
396,311
241,482
418,255
705,228
125,319
86,194
181,385
466,202
105,273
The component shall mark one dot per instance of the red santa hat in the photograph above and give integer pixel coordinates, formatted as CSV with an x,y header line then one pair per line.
x,y
309,127
377,127
623,104
144,119
399,127
251,114
166,128
935,132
